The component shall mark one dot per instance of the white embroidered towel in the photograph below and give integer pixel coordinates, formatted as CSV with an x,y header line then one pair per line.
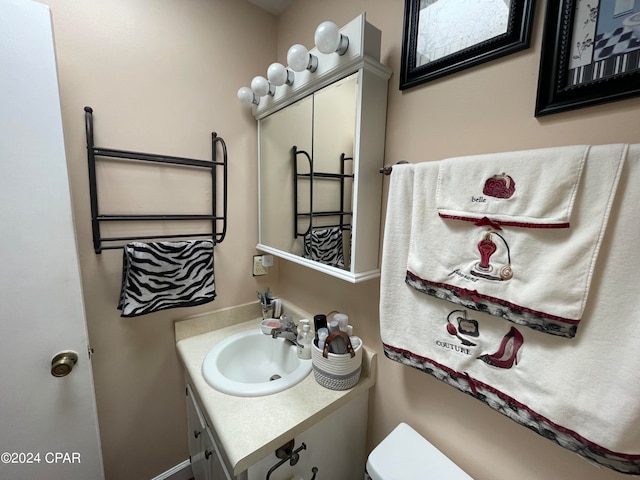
x,y
539,277
162,275
583,394
531,188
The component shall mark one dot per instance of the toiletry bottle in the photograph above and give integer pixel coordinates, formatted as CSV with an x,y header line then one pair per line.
x,y
343,321
303,322
319,321
338,345
322,334
305,337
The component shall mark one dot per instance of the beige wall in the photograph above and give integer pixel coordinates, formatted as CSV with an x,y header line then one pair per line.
x,y
486,109
161,76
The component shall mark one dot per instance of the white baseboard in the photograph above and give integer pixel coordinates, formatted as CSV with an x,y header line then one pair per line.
x,y
182,471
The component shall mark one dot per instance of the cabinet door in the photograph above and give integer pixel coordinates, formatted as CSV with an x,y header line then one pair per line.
x,y
334,122
215,466
278,134
196,430
334,138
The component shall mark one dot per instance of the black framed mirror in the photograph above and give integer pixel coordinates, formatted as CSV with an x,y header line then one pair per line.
x,y
441,37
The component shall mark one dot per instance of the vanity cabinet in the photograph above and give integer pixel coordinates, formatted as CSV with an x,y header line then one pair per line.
x,y
335,446
196,428
321,147
245,432
206,461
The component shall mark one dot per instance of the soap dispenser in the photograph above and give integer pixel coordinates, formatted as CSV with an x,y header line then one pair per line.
x,y
305,337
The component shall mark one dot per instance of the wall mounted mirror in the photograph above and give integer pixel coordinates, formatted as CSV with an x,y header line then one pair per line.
x,y
445,36
321,145
306,175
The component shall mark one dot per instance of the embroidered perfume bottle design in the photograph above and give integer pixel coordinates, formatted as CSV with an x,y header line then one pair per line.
x,y
507,353
466,326
499,186
484,268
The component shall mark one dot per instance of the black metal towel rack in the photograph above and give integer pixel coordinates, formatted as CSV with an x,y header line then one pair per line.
x,y
218,222
312,175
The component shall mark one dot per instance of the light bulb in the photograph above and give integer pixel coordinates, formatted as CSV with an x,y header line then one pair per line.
x,y
300,59
328,39
247,97
279,75
261,86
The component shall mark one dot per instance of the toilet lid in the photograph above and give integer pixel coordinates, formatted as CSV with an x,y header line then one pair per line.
x,y
406,455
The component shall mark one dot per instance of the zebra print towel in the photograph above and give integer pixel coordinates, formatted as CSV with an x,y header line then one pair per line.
x,y
325,245
158,276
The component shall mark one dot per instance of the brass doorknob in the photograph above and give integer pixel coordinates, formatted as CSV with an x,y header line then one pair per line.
x,y
63,362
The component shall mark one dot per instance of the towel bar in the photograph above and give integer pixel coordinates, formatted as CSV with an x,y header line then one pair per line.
x,y
218,221
386,170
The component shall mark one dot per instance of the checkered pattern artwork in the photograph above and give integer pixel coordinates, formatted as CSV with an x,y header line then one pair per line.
x,y
590,55
610,53
619,42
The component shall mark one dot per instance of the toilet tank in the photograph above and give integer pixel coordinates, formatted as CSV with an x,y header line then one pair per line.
x,y
404,454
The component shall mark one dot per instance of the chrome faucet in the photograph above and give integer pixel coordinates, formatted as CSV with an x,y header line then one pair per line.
x,y
288,330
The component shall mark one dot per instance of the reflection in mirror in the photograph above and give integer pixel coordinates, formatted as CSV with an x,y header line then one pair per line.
x,y
325,231
279,132
306,175
449,26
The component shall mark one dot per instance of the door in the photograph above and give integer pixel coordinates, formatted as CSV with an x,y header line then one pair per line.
x,y
48,424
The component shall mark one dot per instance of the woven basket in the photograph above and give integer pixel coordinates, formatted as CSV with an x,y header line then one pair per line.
x,y
337,371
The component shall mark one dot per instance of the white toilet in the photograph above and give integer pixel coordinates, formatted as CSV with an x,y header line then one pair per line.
x,y
404,454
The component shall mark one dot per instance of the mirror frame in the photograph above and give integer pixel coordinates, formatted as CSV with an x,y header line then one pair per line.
x,y
517,37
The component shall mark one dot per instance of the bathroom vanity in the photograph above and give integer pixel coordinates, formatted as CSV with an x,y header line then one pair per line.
x,y
233,437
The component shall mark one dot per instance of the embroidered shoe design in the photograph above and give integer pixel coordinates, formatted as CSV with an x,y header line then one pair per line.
x,y
507,354
499,186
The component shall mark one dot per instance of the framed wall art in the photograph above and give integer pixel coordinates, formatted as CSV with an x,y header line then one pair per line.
x,y
590,54
445,36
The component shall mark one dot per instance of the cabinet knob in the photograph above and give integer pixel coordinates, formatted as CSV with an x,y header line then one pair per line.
x,y
207,454
196,433
63,363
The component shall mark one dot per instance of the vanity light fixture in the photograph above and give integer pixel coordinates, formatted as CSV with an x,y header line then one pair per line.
x,y
261,87
280,75
301,62
328,39
300,59
247,97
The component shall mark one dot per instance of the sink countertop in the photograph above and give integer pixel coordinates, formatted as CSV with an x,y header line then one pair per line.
x,y
249,428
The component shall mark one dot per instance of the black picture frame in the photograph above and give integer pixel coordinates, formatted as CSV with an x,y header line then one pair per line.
x,y
605,79
516,38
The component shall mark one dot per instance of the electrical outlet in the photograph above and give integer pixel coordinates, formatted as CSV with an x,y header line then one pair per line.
x,y
267,260
258,268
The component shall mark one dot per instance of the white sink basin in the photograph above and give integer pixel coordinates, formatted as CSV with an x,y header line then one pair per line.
x,y
252,364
